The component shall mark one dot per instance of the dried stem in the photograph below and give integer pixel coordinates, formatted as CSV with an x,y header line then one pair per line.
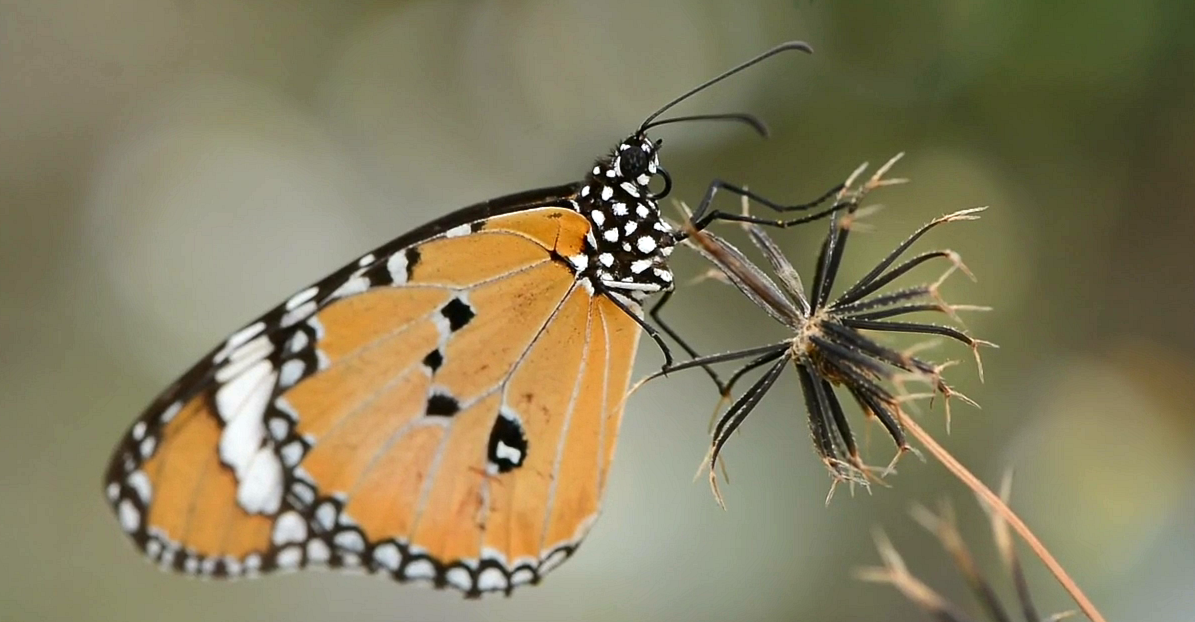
x,y
1001,508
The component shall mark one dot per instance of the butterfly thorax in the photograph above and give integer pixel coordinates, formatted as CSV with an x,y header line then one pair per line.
x,y
629,243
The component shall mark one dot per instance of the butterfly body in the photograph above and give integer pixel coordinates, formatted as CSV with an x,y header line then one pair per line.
x,y
629,242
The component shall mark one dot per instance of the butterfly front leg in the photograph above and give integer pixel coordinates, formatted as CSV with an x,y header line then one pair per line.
x,y
702,217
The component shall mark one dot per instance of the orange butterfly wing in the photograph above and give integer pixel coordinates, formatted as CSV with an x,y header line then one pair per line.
x,y
444,411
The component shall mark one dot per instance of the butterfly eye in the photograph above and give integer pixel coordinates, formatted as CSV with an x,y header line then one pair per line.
x,y
632,163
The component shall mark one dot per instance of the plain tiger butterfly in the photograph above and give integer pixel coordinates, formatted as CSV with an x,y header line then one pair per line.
x,y
443,409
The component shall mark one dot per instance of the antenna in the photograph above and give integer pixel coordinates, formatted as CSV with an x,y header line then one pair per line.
x,y
755,122
783,47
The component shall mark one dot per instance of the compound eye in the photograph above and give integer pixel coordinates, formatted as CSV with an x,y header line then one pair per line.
x,y
632,163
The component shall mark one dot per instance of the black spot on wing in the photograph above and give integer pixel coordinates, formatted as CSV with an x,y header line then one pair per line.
x,y
433,360
442,405
507,448
458,313
413,257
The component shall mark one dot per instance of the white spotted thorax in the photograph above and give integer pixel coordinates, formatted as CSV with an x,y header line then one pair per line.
x,y
628,245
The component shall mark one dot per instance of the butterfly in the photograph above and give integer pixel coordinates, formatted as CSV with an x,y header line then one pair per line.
x,y
444,409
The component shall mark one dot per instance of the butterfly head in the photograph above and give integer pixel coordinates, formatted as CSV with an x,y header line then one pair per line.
x,y
628,243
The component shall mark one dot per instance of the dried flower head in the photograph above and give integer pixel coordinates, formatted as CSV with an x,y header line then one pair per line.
x,y
942,525
831,343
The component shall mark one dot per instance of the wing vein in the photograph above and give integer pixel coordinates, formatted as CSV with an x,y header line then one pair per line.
x,y
572,407
434,469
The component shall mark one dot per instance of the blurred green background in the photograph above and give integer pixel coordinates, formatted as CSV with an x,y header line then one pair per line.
x,y
168,170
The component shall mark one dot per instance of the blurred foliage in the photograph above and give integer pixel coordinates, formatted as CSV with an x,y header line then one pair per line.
x,y
170,169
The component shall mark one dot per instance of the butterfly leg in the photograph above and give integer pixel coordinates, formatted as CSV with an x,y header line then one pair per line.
x,y
703,216
675,335
651,331
845,196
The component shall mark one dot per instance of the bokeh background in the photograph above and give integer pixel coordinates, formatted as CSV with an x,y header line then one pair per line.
x,y
168,170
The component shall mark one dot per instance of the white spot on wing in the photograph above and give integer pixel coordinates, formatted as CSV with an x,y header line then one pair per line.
x,y
139,481
388,556
298,341
611,235
291,372
645,244
169,413
420,569
326,515
597,217
521,576
289,527
552,561
302,297
292,453
641,210
244,335
397,266
278,428
507,452
640,265
139,430
630,189
630,227
491,579
318,551
289,558
242,404
130,518
244,357
349,541
457,231
248,392
607,191
620,209
298,314
366,260
580,261
606,259
460,578
352,287
147,447
260,490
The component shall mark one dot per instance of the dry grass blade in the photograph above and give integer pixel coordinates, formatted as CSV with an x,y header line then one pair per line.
x,y
1000,509
944,527
895,573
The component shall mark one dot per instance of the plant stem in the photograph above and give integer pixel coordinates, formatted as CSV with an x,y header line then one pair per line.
x,y
992,499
